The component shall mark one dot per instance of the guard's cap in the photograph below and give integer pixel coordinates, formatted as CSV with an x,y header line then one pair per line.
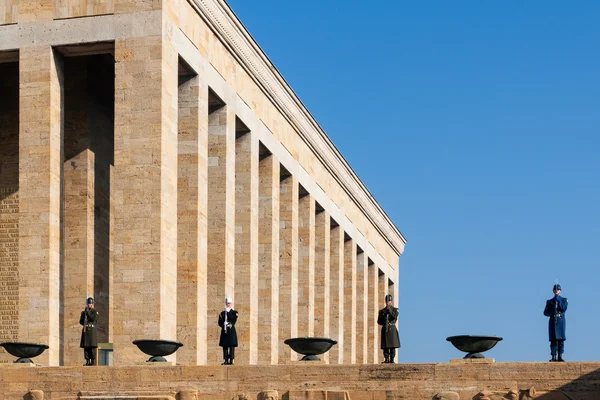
x,y
388,297
228,300
90,300
556,287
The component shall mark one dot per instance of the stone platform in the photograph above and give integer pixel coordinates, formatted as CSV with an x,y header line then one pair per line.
x,y
550,381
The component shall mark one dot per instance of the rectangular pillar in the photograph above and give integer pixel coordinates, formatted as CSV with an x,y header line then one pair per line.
x,y
145,269
79,171
362,320
380,300
336,295
322,276
373,299
78,277
288,267
268,261
306,266
40,198
246,244
393,290
221,218
349,301
192,206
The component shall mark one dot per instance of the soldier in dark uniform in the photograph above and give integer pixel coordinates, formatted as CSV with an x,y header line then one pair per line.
x,y
390,340
228,340
89,336
557,325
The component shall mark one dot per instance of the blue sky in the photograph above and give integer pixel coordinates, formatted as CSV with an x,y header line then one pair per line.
x,y
476,125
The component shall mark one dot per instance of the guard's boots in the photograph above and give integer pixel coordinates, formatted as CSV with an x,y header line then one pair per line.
x,y
553,358
392,360
386,359
560,358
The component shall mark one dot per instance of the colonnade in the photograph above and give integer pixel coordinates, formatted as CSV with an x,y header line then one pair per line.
x,y
198,201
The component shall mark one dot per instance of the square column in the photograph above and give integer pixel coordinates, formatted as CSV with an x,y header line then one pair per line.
x,y
373,313
393,289
79,243
336,295
79,203
145,269
306,266
362,320
288,266
322,276
246,244
192,206
40,198
268,261
382,290
349,301
221,218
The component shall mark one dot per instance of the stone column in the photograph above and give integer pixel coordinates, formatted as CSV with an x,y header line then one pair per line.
x,y
381,292
349,301
221,219
393,289
362,319
268,261
373,339
78,278
336,295
322,276
306,266
40,198
145,268
246,244
192,206
79,205
288,266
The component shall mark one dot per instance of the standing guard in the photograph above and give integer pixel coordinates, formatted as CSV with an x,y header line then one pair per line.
x,y
89,336
390,340
557,324
228,340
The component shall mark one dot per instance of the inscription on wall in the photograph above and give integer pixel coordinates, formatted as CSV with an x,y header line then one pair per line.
x,y
9,268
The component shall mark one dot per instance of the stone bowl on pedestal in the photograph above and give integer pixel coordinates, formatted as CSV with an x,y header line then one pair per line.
x,y
25,351
158,349
474,345
310,347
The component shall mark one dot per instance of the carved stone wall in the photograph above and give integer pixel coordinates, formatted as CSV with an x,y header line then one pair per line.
x,y
9,205
306,381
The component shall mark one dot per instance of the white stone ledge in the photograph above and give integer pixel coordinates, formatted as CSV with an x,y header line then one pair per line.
x,y
80,30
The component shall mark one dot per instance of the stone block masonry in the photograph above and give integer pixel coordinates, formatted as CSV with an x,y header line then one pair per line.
x,y
577,381
153,158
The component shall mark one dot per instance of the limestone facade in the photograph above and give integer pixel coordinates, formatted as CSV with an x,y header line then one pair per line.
x,y
152,157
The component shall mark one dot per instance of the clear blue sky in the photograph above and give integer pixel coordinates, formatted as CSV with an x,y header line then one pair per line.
x,y
476,125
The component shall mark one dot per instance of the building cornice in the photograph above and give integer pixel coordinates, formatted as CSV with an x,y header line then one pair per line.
x,y
228,28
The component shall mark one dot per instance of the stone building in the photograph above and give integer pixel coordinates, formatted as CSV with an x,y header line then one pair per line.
x,y
152,157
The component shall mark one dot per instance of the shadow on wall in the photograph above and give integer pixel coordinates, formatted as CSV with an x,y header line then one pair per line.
x,y
586,387
9,201
9,130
